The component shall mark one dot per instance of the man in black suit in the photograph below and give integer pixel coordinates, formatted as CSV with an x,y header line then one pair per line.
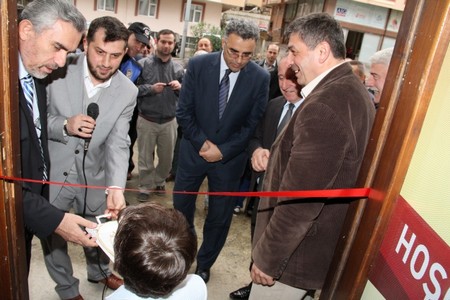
x,y
223,97
271,65
48,30
265,135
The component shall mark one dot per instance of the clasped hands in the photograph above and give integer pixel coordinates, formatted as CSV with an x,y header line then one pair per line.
x,y
210,152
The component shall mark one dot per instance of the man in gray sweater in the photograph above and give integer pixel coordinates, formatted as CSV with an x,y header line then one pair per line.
x,y
159,86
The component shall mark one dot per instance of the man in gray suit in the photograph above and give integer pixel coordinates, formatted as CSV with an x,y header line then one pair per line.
x,y
81,155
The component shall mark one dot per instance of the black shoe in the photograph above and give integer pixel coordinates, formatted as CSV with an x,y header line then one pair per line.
x,y
242,293
204,274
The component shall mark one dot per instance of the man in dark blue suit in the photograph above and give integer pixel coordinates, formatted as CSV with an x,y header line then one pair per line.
x,y
216,132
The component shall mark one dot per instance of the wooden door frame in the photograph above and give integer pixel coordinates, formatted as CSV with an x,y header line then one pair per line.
x,y
420,48
13,269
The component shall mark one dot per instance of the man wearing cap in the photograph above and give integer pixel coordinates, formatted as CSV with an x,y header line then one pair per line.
x,y
137,42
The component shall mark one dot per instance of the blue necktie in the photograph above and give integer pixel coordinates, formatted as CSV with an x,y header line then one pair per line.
x,y
224,87
28,91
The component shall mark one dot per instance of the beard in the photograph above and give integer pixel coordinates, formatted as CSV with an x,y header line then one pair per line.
x,y
97,75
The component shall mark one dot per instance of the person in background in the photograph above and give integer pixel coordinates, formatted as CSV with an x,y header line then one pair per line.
x,y
322,147
154,249
358,69
137,42
271,65
224,96
205,44
259,146
159,86
360,72
82,155
43,24
379,65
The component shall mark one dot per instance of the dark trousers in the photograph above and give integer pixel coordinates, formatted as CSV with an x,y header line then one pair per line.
x,y
132,132
220,208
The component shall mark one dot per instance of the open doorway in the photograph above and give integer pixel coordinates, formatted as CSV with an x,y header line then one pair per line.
x,y
353,44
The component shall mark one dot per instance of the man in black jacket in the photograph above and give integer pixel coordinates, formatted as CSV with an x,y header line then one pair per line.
x,y
271,65
48,30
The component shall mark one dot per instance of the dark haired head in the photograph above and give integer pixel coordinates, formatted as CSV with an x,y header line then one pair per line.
x,y
114,29
243,28
316,28
165,32
154,249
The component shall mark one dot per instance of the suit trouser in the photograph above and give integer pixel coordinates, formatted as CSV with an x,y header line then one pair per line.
x,y
220,208
56,257
152,135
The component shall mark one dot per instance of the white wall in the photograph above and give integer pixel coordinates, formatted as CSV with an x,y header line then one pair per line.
x,y
169,17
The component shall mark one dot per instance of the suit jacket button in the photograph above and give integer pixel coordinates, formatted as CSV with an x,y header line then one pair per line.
x,y
77,151
65,174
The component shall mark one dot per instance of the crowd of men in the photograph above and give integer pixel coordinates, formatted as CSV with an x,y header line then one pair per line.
x,y
303,122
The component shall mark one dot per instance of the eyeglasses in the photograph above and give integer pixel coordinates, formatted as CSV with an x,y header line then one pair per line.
x,y
236,54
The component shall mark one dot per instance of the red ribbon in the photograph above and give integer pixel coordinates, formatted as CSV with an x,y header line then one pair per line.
x,y
335,193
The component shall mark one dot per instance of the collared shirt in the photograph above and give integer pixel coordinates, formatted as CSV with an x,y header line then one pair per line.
x,y
307,89
36,114
286,107
233,75
268,67
92,89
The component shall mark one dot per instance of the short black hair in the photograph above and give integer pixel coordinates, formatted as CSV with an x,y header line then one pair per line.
x,y
114,29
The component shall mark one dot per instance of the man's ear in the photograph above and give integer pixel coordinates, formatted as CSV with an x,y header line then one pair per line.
x,y
324,51
85,44
26,30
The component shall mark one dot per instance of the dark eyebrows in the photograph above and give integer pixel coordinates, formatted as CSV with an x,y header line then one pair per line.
x,y
237,52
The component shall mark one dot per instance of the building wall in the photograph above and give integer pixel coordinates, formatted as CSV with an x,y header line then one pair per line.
x,y
169,14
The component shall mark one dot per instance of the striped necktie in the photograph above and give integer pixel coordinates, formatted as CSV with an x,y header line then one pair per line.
x,y
286,118
28,91
224,88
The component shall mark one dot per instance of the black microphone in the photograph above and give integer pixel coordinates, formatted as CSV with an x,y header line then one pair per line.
x,y
92,111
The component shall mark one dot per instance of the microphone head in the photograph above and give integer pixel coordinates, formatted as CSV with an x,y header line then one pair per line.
x,y
93,110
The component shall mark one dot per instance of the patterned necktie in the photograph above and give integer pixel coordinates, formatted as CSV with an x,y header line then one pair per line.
x,y
28,91
286,118
224,87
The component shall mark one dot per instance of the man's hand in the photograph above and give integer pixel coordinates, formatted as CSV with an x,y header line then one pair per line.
x,y
115,202
175,85
80,125
69,229
158,87
210,152
260,158
259,277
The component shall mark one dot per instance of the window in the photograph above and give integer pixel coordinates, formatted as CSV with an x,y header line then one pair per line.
x,y
148,8
195,13
108,5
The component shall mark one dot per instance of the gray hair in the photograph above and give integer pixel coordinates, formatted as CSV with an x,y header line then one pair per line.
x,y
246,29
316,28
382,57
44,13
